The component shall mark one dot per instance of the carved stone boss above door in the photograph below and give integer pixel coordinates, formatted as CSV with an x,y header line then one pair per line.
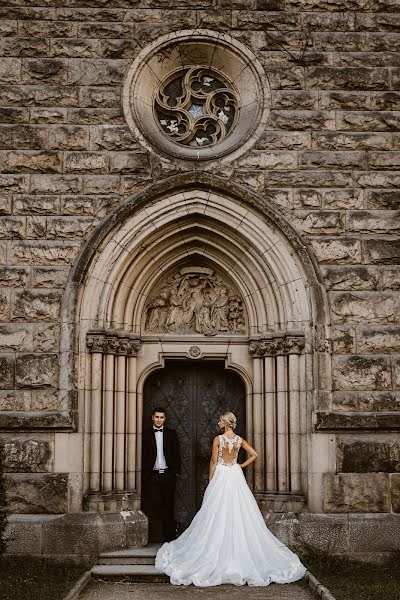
x,y
279,413
111,412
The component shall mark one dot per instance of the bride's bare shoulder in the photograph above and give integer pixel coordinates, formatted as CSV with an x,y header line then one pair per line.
x,y
216,439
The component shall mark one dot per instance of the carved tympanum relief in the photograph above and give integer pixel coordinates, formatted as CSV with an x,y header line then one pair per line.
x,y
195,300
196,107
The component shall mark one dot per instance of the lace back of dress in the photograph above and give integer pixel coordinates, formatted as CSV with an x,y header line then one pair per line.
x,y
228,450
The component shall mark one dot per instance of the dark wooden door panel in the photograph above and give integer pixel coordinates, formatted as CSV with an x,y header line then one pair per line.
x,y
194,396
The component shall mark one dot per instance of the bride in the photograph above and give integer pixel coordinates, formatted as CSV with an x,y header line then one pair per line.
x,y
228,541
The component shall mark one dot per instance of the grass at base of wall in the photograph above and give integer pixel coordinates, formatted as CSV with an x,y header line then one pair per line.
x,y
34,578
354,580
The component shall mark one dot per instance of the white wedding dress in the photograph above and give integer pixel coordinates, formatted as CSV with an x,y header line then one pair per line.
x,y
228,540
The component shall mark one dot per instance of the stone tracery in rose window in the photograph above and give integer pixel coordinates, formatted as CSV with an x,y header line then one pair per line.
x,y
196,107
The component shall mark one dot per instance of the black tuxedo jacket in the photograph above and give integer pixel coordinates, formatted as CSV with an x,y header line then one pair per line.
x,y
171,451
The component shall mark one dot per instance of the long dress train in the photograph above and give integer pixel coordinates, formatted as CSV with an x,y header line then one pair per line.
x,y
228,540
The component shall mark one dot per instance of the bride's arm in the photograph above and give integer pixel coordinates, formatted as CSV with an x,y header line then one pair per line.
x,y
249,450
214,457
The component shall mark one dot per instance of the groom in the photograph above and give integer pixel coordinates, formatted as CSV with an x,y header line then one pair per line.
x,y
160,468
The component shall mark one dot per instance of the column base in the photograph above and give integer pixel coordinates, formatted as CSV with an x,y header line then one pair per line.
x,y
280,502
113,502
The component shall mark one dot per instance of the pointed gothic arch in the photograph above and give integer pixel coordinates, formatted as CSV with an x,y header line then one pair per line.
x,y
197,220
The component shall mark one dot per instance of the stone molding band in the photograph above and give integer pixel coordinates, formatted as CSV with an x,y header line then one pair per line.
x,y
113,342
276,346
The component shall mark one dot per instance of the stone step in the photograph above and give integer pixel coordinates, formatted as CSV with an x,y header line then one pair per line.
x,y
135,573
130,556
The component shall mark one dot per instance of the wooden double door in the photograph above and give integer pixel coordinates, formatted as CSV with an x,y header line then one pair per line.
x,y
194,395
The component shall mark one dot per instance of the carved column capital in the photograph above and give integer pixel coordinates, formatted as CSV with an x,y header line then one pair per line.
x,y
113,342
275,346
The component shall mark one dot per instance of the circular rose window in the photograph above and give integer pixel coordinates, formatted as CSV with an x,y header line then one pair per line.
x,y
196,96
196,107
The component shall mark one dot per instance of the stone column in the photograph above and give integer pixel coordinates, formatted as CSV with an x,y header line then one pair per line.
x,y
111,422
120,415
294,346
280,410
96,345
108,423
258,422
282,425
131,424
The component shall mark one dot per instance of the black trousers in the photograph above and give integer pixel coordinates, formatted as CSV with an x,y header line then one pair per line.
x,y
158,505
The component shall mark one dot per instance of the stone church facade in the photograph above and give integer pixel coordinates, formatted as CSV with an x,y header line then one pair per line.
x,y
200,208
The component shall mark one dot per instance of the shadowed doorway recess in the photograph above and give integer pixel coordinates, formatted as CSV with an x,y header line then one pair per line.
x,y
194,395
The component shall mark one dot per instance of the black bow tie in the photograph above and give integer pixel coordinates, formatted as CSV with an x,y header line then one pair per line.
x,y
155,429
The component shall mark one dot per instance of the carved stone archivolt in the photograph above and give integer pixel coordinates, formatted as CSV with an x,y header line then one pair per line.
x,y
111,342
196,300
273,346
196,107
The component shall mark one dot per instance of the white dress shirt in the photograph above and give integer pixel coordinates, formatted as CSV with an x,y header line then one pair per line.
x,y
160,463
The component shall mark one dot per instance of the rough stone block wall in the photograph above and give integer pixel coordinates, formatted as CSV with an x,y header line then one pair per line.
x,y
329,158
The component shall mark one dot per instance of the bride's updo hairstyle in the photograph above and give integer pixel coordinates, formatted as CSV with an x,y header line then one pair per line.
x,y
229,419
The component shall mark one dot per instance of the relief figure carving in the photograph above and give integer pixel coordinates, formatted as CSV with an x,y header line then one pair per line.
x,y
195,300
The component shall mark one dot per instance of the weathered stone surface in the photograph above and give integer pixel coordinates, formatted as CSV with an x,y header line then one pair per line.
x,y
386,251
318,221
332,160
364,538
320,532
32,205
351,141
375,221
15,161
37,305
97,72
12,228
36,227
49,277
365,307
23,136
44,399
69,137
350,278
389,278
15,337
70,227
7,371
337,250
85,162
52,184
5,306
113,137
395,492
101,184
36,370
367,401
27,455
361,373
40,253
382,199
396,373
13,276
41,493
360,456
51,70
356,492
13,400
343,339
46,337
378,339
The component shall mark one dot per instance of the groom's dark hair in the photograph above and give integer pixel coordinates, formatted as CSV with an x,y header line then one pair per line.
x,y
158,409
